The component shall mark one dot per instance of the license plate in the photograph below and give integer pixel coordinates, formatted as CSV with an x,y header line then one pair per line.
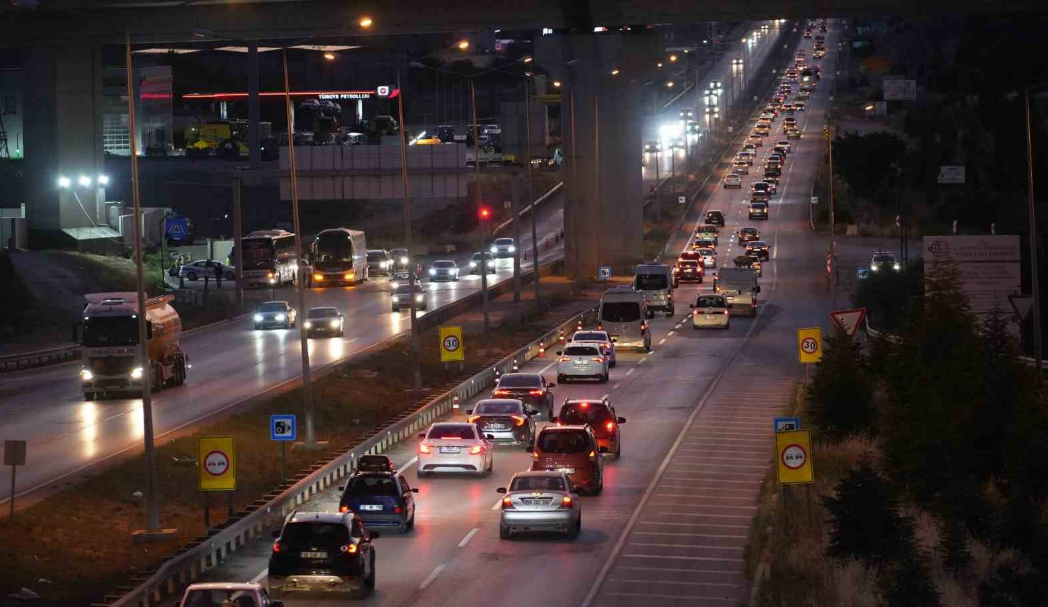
x,y
314,555
580,363
449,450
534,502
565,470
371,507
497,427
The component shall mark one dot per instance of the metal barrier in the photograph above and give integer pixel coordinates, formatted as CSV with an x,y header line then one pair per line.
x,y
40,358
207,552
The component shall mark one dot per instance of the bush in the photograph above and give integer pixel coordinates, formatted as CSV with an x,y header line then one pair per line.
x,y
1012,583
865,522
840,400
908,583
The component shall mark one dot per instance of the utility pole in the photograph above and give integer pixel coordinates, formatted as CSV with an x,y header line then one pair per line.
x,y
531,192
833,235
1034,282
416,355
483,263
516,191
238,243
307,385
152,490
575,190
596,172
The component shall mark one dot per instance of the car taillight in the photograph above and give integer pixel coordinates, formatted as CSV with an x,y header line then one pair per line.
x,y
520,419
610,426
565,502
476,449
502,392
423,448
397,509
600,326
593,454
318,277
278,547
507,503
348,548
564,359
534,454
535,392
343,508
597,359
472,419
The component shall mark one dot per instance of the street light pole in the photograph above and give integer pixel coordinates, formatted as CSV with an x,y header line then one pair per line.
x,y
307,386
531,192
152,489
483,263
412,277
1034,282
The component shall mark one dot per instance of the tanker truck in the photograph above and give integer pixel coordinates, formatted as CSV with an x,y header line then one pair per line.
x,y
108,334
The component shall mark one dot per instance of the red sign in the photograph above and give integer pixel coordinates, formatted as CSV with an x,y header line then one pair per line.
x,y
849,320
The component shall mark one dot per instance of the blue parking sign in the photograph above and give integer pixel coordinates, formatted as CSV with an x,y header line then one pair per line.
x,y
283,427
605,272
787,424
861,273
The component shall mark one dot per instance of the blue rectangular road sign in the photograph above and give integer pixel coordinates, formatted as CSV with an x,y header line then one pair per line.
x,y
283,427
861,273
605,272
787,424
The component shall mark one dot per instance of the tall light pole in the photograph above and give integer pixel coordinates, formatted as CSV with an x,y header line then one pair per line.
x,y
483,263
412,277
531,191
1034,282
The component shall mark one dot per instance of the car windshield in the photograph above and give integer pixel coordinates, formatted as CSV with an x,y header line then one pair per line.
x,y
273,306
590,336
563,441
750,231
407,289
581,414
376,256
581,351
217,597
315,535
110,331
620,311
443,265
710,301
498,408
476,256
503,242
883,258
372,485
537,483
519,380
650,282
323,313
444,431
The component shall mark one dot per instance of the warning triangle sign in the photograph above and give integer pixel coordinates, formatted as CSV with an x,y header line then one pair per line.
x,y
849,320
1022,304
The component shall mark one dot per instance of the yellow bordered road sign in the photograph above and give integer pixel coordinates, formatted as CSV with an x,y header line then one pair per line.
x,y
451,346
217,463
793,457
809,345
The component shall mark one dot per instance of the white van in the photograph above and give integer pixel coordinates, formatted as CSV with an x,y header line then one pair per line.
x,y
624,315
655,281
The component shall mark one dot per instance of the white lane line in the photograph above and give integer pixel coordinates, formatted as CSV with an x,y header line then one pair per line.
x,y
259,577
497,505
662,341
432,576
630,372
468,537
546,368
671,333
616,386
605,396
411,462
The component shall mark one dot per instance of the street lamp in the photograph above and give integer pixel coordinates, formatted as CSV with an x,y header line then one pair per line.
x,y
1034,283
365,22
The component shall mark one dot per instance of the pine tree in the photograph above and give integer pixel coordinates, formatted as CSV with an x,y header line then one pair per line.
x,y
840,400
908,583
953,543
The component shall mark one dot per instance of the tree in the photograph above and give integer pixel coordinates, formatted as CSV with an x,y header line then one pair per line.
x,y
865,522
865,161
908,583
841,396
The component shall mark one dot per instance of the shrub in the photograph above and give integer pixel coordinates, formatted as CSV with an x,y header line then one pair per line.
x,y
907,582
840,400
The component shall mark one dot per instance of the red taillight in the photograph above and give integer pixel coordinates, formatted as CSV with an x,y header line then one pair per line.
x,y
564,359
348,548
565,502
597,359
600,326
423,448
610,426
535,393
502,393
507,502
476,449
584,405
520,419
397,509
277,548
472,419
343,509
593,454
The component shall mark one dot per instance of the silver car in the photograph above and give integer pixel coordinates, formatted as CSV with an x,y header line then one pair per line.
x,y
503,248
582,361
206,268
601,339
443,269
540,501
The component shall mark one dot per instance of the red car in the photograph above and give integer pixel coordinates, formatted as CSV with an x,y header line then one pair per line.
x,y
600,417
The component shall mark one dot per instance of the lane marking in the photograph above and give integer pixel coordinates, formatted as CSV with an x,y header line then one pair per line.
x,y
259,577
630,372
432,576
662,341
546,368
616,386
497,505
411,462
468,537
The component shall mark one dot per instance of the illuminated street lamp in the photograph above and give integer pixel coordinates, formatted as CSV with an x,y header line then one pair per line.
x,y
463,45
673,58
365,22
84,181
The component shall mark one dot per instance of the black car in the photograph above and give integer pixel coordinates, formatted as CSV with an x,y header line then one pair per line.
x,y
380,498
504,420
530,388
322,552
379,263
401,298
715,218
325,321
401,260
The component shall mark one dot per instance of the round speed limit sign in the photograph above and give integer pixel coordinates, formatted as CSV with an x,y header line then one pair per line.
x,y
809,345
451,343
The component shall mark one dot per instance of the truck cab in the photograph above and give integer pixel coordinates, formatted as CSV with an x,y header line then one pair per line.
x,y
739,287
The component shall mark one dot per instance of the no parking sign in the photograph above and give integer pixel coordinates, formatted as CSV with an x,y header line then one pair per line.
x,y
217,463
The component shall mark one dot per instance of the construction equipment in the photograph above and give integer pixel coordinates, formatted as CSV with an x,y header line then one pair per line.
x,y
224,138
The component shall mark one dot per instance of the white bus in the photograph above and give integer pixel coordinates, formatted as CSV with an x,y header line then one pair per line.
x,y
270,258
339,256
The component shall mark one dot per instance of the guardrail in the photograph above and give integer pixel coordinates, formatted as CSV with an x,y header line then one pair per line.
x,y
556,188
207,552
40,358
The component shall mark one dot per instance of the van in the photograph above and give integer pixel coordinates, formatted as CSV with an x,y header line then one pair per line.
x,y
624,315
655,281
739,288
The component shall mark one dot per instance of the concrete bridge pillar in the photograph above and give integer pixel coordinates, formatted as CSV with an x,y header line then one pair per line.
x,y
63,136
601,78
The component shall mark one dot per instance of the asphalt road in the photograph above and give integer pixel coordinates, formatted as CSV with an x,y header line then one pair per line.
x,y
670,526
230,363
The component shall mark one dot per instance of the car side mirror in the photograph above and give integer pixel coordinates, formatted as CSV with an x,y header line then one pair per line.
x,y
341,487
500,490
276,535
758,288
551,384
489,436
422,435
374,535
620,420
603,449
414,489
560,352
469,411
77,332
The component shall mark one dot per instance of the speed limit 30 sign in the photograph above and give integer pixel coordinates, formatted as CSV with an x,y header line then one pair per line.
x,y
451,347
809,345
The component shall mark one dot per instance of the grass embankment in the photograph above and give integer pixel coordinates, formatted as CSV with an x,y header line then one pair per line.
x,y
80,539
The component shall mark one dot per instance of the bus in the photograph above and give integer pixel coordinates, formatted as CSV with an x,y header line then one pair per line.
x,y
339,256
270,258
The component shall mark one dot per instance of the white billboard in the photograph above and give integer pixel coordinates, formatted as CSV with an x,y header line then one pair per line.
x,y
989,266
900,90
951,174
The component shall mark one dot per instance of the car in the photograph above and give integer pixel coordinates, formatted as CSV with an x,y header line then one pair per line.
x,y
747,156
706,232
749,147
884,260
401,280
749,235
751,261
715,217
401,297
755,140
758,210
776,158
788,109
732,181
758,249
793,134
245,594
759,196
504,420
763,187
762,129
475,261
741,166
601,418
323,552
375,463
275,314
572,451
688,270
401,260
443,269
677,143
686,113
790,121
455,447
692,127
799,105
205,268
539,501
772,172
601,339
325,321
379,263
652,146
708,257
503,248
530,388
704,241
582,361
783,146
379,498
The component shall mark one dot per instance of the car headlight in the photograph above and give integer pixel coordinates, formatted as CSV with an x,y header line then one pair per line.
x,y
385,264
432,271
895,266
334,324
258,318
136,373
309,325
494,250
281,317
420,297
512,249
873,268
396,299
472,264
272,281
404,260
86,375
491,264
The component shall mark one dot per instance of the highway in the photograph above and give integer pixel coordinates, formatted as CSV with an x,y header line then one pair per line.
x,y
671,525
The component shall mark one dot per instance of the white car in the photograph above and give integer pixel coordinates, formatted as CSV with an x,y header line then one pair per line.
x,y
710,312
582,361
206,268
709,257
443,269
540,501
221,593
599,338
454,447
503,248
732,180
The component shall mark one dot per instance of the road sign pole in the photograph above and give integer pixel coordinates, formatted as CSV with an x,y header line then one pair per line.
x,y
11,514
283,463
207,511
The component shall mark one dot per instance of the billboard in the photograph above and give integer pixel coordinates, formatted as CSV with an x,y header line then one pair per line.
x,y
900,90
989,266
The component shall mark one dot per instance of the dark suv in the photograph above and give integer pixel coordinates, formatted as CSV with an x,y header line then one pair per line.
x,y
322,552
379,263
574,451
599,416
715,218
504,420
380,499
529,388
